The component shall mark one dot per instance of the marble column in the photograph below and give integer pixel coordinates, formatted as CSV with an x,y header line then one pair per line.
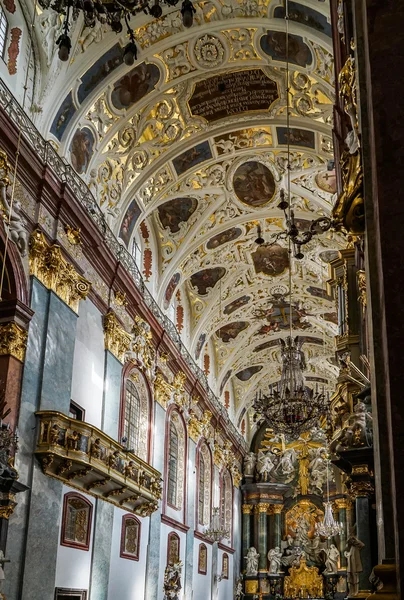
x,y
246,535
277,525
262,510
363,534
341,505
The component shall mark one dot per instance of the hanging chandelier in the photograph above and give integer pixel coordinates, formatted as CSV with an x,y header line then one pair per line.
x,y
216,531
291,407
115,14
328,527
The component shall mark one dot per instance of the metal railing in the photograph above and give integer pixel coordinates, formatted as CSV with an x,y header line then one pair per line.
x,y
48,155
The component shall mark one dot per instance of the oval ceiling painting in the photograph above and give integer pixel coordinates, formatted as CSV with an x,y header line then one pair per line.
x,y
254,183
247,373
271,259
222,238
205,280
231,331
177,211
327,181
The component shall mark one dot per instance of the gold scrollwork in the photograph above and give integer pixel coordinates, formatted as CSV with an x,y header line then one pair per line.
x,y
47,264
359,489
348,212
162,389
13,340
73,235
303,581
116,339
361,278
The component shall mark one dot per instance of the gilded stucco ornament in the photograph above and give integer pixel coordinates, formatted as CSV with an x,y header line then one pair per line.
x,y
116,339
141,347
361,277
13,340
209,52
11,211
162,389
303,580
49,266
73,235
349,210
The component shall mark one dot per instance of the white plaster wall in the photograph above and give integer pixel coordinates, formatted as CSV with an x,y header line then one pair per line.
x,y
127,577
72,564
201,587
165,530
88,363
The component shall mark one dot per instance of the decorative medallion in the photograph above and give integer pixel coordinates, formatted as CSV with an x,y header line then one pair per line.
x,y
209,52
271,259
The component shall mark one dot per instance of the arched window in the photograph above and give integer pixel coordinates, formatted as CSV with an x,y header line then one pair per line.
x,y
202,559
175,466
130,537
204,485
173,548
76,521
135,414
226,502
225,566
3,32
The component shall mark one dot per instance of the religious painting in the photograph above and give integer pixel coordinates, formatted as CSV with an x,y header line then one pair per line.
x,y
99,71
176,211
319,293
232,93
223,238
202,559
173,548
278,318
247,373
129,222
76,521
225,380
270,259
171,288
297,137
327,181
205,280
81,149
133,86
274,45
236,304
192,157
225,566
254,183
200,344
306,16
130,537
328,255
266,345
231,330
63,117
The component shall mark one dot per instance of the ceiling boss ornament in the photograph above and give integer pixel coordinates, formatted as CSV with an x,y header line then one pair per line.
x,y
209,52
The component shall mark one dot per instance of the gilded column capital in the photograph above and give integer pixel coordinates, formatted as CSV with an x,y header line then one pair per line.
x,y
47,264
263,507
277,508
116,339
13,340
342,503
358,489
247,509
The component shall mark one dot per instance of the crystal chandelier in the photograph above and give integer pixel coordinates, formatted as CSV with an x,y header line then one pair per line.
x,y
216,531
328,527
291,407
114,13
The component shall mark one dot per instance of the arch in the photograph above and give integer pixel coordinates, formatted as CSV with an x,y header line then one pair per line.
x,y
136,412
204,473
76,521
175,461
130,537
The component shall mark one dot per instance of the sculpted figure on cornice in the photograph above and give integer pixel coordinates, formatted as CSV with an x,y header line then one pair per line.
x,y
356,432
142,346
13,218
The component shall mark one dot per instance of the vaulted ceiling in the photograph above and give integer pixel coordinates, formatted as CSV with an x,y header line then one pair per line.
x,y
186,152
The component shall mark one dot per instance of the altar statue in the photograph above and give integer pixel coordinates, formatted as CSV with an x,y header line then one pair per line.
x,y
265,464
274,557
354,566
252,561
250,460
331,562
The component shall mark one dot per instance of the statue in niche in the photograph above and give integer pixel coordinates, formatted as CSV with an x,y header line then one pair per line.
x,y
354,566
331,562
12,214
274,557
318,470
265,464
252,561
172,581
250,460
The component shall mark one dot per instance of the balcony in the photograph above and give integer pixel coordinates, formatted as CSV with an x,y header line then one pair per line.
x,y
85,458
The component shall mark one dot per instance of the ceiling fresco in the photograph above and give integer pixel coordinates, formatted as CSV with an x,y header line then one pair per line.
x,y
191,144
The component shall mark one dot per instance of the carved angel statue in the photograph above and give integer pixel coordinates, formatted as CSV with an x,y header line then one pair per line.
x,y
51,25
92,35
274,557
13,218
238,591
250,460
252,561
265,464
318,469
172,581
331,562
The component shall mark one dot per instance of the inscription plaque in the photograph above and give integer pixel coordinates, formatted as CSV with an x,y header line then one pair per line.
x,y
233,93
